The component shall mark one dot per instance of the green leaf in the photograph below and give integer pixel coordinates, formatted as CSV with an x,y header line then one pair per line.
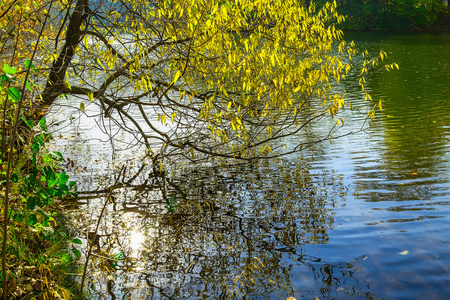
x,y
43,195
63,178
56,193
14,178
6,78
28,86
13,94
77,241
53,182
42,124
66,258
31,203
9,70
27,64
76,252
32,219
72,183
39,139
119,255
49,173
63,187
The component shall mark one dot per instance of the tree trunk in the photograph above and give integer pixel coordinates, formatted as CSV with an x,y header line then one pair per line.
x,y
55,85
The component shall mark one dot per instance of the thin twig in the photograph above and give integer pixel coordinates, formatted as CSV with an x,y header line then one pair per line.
x,y
95,234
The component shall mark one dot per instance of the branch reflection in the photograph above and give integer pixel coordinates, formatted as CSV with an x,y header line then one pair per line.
x,y
220,233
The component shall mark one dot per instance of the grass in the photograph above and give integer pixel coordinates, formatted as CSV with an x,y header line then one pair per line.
x,y
40,264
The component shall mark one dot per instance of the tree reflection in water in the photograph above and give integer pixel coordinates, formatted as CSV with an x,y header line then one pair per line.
x,y
219,233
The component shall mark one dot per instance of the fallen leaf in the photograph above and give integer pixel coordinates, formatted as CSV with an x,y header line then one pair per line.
x,y
365,258
404,252
340,289
414,173
291,298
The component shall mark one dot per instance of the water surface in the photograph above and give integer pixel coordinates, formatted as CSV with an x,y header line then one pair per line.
x,y
363,216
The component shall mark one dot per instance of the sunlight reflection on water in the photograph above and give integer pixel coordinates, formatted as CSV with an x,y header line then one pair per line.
x,y
136,241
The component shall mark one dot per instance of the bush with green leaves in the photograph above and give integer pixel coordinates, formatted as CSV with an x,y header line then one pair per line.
x,y
43,181
38,179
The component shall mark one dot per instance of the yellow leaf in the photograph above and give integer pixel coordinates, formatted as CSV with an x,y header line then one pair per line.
x,y
177,76
182,95
99,62
144,83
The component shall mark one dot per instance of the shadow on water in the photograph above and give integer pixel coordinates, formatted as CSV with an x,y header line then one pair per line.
x,y
219,233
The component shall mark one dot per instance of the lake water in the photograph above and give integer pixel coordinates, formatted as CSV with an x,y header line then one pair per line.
x,y
364,216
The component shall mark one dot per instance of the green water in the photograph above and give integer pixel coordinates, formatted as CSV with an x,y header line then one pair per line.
x,y
365,216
